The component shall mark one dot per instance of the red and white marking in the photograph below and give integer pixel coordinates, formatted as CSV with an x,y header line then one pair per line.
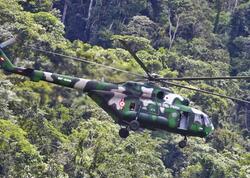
x,y
122,104
117,98
1,59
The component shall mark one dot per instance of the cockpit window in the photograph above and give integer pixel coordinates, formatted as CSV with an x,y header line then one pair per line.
x,y
198,119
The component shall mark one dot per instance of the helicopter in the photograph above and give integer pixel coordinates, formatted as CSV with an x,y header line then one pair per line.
x,y
135,105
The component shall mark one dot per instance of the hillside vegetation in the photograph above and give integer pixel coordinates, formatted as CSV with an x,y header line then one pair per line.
x,y
50,131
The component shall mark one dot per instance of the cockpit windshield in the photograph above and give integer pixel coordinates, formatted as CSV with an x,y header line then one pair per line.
x,y
201,118
198,119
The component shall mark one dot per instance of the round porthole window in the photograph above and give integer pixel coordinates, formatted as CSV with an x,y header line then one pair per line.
x,y
160,95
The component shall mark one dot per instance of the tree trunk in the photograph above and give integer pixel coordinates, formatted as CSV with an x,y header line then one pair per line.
x,y
90,9
217,19
64,11
235,4
172,35
247,117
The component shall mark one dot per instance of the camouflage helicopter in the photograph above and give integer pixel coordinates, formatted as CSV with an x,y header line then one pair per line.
x,y
135,105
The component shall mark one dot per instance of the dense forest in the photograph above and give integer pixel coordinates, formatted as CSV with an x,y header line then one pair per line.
x,y
50,131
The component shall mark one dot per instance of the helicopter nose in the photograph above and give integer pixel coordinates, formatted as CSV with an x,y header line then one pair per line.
x,y
211,126
210,123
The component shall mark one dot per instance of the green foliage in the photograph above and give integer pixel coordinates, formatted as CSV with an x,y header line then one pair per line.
x,y
49,22
98,151
142,26
13,133
135,43
192,171
240,21
7,97
19,157
36,6
48,131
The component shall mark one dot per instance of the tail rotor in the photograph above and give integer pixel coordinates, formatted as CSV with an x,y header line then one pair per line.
x,y
5,63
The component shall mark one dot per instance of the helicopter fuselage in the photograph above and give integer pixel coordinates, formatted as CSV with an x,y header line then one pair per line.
x,y
151,106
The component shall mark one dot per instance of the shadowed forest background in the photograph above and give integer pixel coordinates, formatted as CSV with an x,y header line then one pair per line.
x,y
50,131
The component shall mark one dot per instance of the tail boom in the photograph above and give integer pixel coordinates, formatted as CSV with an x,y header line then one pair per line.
x,y
63,80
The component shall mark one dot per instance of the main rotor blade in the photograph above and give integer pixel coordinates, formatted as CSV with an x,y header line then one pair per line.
x,y
138,60
203,91
208,78
162,80
84,60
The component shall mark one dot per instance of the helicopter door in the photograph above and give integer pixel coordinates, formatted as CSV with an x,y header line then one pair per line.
x,y
132,106
184,121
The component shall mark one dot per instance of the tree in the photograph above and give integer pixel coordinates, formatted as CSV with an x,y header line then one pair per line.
x,y
98,151
19,157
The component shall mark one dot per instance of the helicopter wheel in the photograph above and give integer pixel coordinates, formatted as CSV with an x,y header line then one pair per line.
x,y
124,133
134,125
183,143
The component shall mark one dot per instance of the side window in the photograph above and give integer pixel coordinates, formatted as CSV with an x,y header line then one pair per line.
x,y
202,120
160,95
132,106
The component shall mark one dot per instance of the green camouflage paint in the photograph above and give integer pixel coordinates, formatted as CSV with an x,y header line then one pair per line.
x,y
5,62
129,101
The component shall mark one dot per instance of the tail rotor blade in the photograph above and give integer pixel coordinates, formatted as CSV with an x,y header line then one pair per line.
x,y
8,42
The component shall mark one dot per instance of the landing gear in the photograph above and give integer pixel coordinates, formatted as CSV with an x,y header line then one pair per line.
x,y
134,125
183,143
123,132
